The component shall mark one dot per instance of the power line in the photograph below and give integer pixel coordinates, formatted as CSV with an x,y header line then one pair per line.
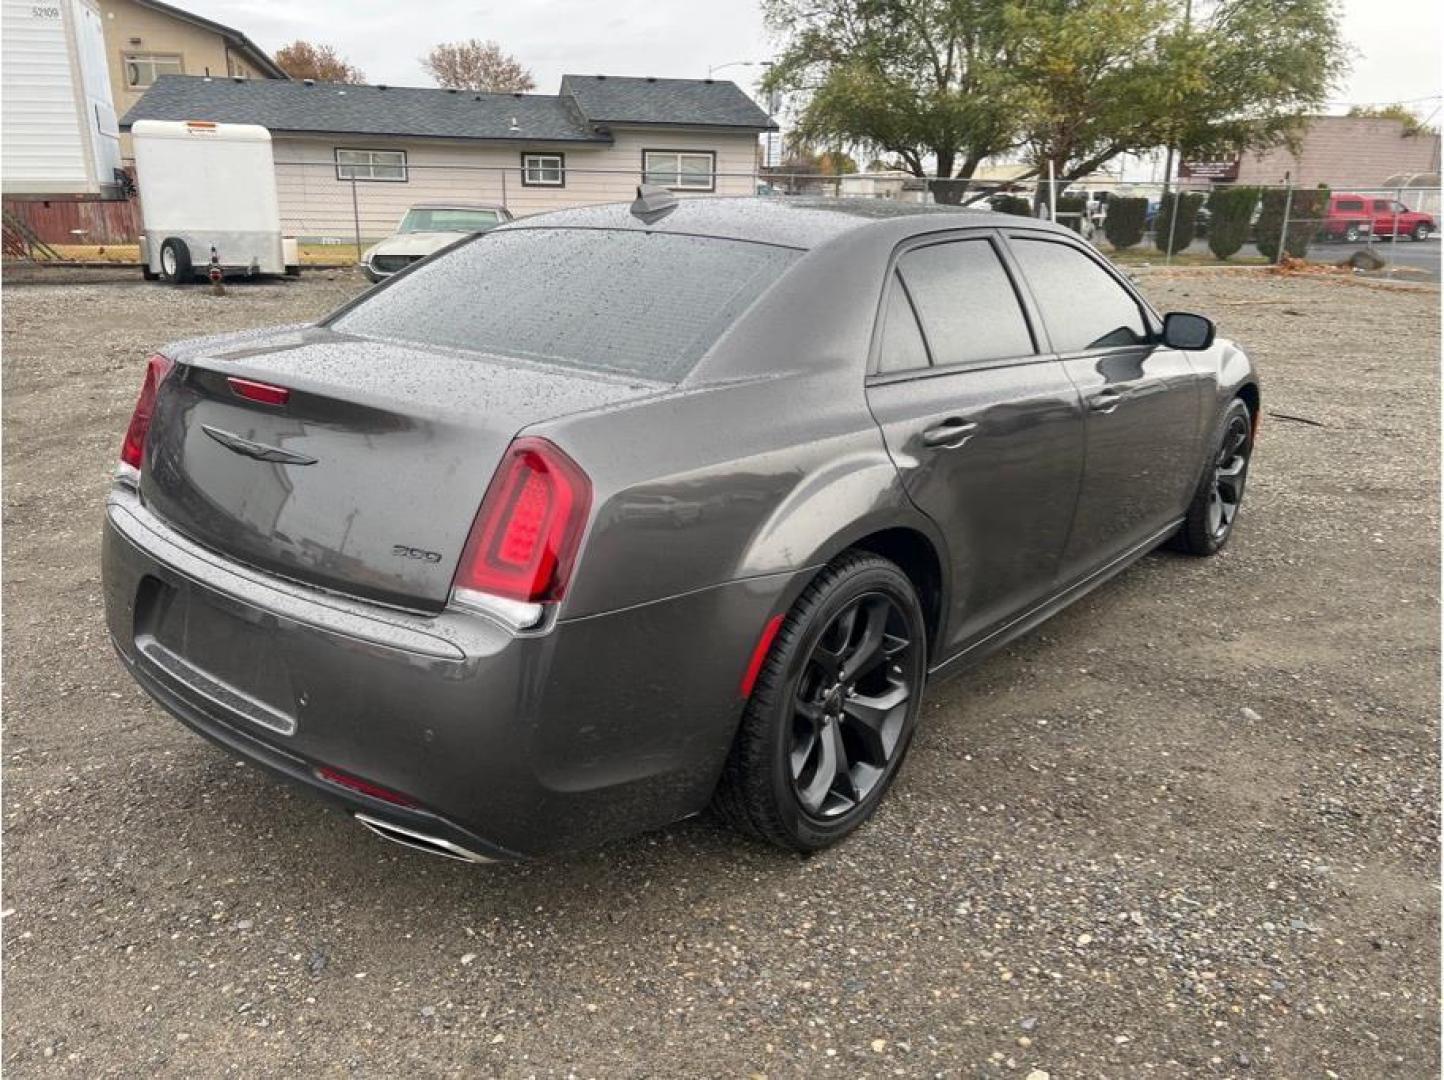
x,y
1378,104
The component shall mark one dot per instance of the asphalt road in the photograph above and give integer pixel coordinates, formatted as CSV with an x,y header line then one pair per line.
x,y
1188,828
1411,261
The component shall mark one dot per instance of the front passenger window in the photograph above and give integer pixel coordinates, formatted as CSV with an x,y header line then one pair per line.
x,y
1084,307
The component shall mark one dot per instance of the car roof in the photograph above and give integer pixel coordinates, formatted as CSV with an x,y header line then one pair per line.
x,y
787,221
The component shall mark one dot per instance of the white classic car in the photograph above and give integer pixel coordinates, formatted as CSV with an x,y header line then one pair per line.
x,y
426,228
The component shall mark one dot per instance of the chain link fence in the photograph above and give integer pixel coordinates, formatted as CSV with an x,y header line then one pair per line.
x,y
338,209
326,204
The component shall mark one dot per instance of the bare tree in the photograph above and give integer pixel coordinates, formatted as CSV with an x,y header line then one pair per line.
x,y
477,65
303,60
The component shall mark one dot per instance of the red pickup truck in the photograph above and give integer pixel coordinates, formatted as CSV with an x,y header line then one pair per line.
x,y
1357,217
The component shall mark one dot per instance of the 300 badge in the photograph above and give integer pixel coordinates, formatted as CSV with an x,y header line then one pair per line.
x,y
401,551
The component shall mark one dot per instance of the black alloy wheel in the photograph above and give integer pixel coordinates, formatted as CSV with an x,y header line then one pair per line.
x,y
1230,470
833,710
851,707
1214,510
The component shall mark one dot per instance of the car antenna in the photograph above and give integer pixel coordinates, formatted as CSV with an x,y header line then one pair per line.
x,y
653,202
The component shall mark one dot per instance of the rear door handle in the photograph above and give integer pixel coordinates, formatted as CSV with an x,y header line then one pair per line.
x,y
951,434
1105,401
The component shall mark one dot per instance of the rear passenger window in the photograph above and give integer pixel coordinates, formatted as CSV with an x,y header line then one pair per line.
x,y
902,341
1351,204
1083,306
965,302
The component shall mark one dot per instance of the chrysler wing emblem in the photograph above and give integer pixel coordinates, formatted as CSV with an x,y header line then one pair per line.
x,y
259,451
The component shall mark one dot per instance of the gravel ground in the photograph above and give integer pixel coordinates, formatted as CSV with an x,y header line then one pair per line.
x,y
1187,828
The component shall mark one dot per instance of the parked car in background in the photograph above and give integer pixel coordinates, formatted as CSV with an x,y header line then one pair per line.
x,y
534,547
1357,217
427,228
1391,217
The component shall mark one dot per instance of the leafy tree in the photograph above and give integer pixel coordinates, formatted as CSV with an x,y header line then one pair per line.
x,y
921,81
836,163
1232,209
943,84
1412,124
1306,212
1172,236
304,60
1125,222
1107,77
477,65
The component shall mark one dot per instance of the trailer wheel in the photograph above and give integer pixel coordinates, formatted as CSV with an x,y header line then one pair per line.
x,y
175,261
293,271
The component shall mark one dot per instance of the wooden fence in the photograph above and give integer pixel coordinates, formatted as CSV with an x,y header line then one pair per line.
x,y
79,221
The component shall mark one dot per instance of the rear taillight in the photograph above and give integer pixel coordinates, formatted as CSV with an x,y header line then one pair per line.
x,y
133,449
529,527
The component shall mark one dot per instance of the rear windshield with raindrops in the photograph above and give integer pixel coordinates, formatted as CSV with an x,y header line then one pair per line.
x,y
632,303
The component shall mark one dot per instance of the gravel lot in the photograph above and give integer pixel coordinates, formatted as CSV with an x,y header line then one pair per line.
x,y
1187,828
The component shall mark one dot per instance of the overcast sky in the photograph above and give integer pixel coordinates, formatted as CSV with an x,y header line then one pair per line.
x,y
1396,43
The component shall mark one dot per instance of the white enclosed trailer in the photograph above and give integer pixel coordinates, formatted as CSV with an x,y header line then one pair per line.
x,y
208,197
58,124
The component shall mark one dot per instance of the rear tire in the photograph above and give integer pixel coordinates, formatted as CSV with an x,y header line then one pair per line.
x,y
175,261
1216,503
833,710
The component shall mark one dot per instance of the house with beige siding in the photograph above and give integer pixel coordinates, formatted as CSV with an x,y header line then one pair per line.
x,y
147,39
351,159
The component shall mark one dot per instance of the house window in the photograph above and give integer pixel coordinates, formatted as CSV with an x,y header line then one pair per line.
x,y
387,165
681,170
543,170
142,69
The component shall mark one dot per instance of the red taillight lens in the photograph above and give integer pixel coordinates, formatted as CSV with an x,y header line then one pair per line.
x,y
133,449
265,393
529,526
365,787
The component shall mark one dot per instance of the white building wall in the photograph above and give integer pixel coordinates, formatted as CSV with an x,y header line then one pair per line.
x,y
314,203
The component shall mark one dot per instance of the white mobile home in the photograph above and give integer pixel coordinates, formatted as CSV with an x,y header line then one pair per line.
x,y
57,122
351,159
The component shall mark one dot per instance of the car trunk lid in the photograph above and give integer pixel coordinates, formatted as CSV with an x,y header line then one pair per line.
x,y
367,479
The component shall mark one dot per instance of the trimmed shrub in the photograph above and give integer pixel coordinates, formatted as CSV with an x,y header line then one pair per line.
x,y
1071,209
1306,215
1185,204
1125,222
1232,209
1012,204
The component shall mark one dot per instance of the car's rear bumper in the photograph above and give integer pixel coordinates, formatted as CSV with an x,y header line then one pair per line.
x,y
510,744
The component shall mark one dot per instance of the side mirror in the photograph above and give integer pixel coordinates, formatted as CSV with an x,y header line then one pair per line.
x,y
1183,330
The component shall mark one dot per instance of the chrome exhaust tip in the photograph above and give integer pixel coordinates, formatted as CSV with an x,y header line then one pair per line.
x,y
419,841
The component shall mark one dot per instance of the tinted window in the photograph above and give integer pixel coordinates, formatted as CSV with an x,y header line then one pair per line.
x,y
966,302
902,341
1351,204
638,303
1083,306
1382,205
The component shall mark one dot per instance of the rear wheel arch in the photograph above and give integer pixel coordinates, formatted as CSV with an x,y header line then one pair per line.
x,y
916,551
918,558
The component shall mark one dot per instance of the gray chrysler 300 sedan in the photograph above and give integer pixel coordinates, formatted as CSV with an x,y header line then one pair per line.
x,y
615,513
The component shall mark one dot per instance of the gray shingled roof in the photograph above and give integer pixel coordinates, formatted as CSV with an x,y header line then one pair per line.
x,y
614,99
575,115
364,110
